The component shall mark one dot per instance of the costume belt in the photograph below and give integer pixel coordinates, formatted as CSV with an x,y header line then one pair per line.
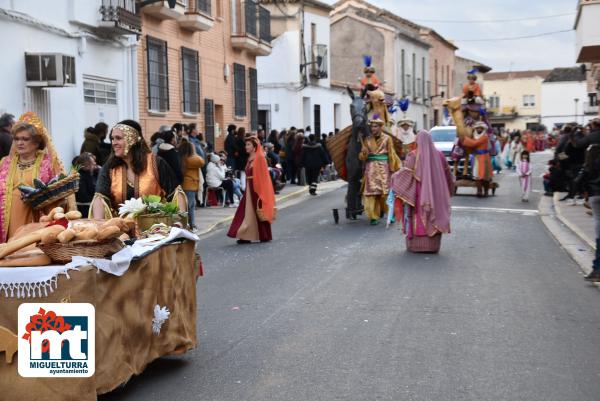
x,y
377,157
482,152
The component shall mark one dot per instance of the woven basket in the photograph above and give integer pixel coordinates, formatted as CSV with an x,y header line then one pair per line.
x,y
54,192
424,244
337,146
63,253
145,221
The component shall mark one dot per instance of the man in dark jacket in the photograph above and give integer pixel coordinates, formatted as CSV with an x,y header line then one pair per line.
x,y
591,182
230,146
313,160
6,123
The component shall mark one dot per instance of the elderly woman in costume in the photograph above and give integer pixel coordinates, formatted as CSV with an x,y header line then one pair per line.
x,y
422,190
256,212
132,171
32,156
380,162
405,133
482,166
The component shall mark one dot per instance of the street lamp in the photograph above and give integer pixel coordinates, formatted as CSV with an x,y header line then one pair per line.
x,y
576,100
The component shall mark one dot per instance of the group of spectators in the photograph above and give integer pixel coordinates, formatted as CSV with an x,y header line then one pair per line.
x,y
295,156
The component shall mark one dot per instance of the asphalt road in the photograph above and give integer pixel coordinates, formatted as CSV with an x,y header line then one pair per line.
x,y
343,312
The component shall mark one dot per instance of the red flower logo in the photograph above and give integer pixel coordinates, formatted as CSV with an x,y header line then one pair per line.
x,y
44,321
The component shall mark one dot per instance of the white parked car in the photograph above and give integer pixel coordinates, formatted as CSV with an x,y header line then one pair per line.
x,y
444,138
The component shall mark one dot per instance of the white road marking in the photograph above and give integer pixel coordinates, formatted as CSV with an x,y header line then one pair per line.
x,y
526,212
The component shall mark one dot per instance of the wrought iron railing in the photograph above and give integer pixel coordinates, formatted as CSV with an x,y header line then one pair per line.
x,y
319,66
123,12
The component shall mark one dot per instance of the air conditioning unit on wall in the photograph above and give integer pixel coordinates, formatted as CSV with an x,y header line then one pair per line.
x,y
49,69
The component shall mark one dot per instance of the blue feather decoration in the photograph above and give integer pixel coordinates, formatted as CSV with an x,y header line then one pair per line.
x,y
393,108
482,111
367,60
404,103
446,113
473,71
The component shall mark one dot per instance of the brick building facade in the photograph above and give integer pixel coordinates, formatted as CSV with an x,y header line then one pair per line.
x,y
197,64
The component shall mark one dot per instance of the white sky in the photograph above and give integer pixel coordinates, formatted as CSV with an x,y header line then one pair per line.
x,y
545,52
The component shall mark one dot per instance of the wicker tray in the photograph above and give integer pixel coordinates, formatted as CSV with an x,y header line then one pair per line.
x,y
63,253
424,244
54,193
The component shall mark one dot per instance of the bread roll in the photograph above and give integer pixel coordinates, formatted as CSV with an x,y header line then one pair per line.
x,y
109,232
45,219
73,215
115,222
124,237
66,236
58,216
54,211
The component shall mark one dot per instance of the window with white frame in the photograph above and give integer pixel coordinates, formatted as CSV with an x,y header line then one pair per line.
x,y
100,92
528,100
494,102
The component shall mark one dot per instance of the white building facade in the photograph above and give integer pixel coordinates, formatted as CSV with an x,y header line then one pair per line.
x,y
294,81
72,62
565,98
412,68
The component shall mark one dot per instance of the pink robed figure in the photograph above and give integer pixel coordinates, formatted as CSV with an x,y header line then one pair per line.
x,y
423,188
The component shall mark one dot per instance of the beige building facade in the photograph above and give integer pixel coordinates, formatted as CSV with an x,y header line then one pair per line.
x,y
514,98
197,64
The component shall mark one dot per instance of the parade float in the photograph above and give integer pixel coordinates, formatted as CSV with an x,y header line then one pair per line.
x,y
467,112
139,272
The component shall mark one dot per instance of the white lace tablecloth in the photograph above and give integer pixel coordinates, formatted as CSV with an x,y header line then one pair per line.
x,y
38,281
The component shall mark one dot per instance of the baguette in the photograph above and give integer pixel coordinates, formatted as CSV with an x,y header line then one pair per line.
x,y
115,222
52,235
26,240
59,216
54,211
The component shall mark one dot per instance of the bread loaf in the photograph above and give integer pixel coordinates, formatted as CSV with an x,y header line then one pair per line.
x,y
13,246
90,233
51,236
109,232
66,236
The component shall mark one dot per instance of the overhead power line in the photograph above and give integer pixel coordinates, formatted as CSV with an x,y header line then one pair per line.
x,y
494,20
537,35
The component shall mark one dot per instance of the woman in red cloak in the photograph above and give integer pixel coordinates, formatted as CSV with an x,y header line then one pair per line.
x,y
256,212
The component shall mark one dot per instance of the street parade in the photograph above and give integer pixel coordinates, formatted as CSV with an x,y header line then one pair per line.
x,y
299,200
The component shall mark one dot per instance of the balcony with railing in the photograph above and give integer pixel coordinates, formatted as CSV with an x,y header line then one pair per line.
x,y
161,9
198,16
251,28
319,67
590,108
120,17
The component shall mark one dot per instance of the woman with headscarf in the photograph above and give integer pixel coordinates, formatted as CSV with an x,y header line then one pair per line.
x,y
133,171
422,190
256,212
32,156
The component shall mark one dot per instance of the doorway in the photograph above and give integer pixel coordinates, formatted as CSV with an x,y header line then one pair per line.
x,y
317,120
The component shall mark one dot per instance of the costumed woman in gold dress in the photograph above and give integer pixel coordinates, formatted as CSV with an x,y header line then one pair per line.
x,y
32,156
132,171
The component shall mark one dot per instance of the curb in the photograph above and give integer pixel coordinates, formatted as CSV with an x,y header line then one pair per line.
x,y
570,241
572,227
278,200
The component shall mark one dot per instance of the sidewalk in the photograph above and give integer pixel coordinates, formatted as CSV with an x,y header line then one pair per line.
x,y
576,218
209,219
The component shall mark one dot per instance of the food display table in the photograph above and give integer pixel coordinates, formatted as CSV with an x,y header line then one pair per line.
x,y
125,307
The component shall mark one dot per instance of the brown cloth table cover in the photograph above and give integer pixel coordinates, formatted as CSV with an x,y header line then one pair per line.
x,y
125,344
